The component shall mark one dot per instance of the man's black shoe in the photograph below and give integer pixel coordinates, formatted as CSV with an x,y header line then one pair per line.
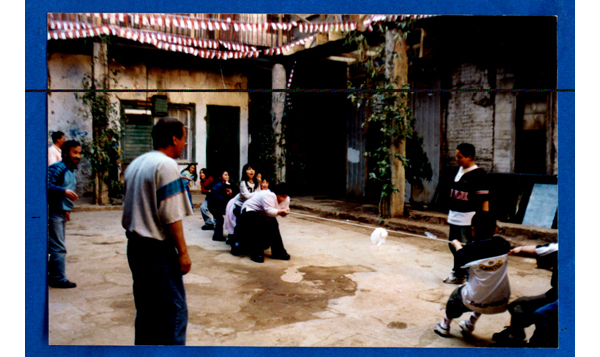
x,y
208,227
219,239
284,256
257,258
62,284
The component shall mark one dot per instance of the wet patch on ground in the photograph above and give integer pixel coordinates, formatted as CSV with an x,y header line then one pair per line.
x,y
258,297
397,325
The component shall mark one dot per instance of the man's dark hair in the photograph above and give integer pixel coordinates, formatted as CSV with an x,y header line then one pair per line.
x,y
467,150
57,135
484,224
164,130
280,189
66,148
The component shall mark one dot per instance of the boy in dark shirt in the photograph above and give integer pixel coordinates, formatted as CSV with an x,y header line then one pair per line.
x,y
468,194
487,290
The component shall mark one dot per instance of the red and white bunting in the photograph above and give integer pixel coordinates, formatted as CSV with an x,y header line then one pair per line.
x,y
58,29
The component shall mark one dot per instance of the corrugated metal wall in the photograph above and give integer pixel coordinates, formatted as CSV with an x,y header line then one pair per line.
x,y
355,160
426,108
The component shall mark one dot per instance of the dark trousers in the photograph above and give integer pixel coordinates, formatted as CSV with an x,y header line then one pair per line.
x,y
455,306
256,232
158,292
464,235
217,209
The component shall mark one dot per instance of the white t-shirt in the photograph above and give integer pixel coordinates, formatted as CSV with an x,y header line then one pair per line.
x,y
155,195
246,193
54,154
461,218
266,201
487,290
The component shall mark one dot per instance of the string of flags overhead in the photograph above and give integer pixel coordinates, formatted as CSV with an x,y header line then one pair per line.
x,y
205,48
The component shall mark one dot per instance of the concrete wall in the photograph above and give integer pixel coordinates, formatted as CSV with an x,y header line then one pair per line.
x,y
488,120
469,120
66,71
505,130
138,76
65,113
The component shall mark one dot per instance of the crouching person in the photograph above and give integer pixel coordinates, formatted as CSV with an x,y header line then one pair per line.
x,y
257,228
487,290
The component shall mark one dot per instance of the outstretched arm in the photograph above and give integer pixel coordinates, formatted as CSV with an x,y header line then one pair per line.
x,y
526,250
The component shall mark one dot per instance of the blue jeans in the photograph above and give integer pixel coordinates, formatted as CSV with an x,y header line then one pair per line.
x,y
158,291
187,189
206,214
546,326
56,246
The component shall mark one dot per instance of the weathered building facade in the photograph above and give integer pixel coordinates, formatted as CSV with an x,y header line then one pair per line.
x,y
220,117
492,80
472,72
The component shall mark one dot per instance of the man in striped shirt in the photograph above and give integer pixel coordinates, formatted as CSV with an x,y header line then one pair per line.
x,y
154,205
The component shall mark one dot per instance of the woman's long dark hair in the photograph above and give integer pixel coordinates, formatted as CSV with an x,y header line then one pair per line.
x,y
244,175
194,174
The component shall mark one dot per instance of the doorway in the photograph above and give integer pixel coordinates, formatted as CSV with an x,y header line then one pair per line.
x,y
223,141
531,133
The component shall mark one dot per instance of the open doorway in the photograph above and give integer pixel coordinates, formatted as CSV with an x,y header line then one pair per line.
x,y
223,140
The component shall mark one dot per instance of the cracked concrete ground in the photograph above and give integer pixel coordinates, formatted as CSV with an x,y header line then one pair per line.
x,y
338,289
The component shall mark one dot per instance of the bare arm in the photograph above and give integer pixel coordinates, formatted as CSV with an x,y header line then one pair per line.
x,y
283,212
175,232
456,244
71,195
526,250
485,206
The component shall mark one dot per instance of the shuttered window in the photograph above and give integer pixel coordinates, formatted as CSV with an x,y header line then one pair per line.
x,y
137,132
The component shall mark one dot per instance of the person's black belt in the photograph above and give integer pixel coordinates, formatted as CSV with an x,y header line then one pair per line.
x,y
137,237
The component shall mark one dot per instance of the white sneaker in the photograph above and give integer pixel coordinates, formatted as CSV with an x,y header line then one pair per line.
x,y
454,280
444,332
466,328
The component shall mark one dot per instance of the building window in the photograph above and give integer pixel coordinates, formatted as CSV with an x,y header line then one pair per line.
x,y
184,114
137,131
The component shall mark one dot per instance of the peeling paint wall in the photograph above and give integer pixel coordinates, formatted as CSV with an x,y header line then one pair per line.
x,y
468,120
65,113
141,77
488,120
66,71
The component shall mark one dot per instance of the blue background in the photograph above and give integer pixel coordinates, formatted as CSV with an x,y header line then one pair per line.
x,y
36,138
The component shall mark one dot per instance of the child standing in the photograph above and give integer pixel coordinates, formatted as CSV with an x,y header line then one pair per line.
x,y
487,291
189,174
205,186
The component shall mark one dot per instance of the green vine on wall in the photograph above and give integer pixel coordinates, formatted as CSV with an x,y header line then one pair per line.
x,y
103,150
388,117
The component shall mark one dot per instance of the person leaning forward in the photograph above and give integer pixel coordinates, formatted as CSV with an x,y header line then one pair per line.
x,y
257,228
154,204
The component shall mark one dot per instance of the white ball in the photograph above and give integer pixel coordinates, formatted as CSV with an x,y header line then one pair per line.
x,y
378,236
